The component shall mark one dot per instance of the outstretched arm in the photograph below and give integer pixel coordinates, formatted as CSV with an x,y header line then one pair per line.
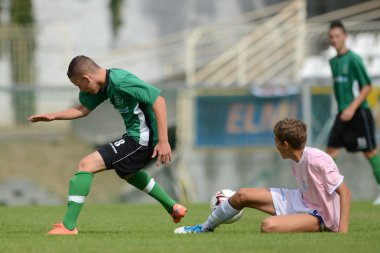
x,y
345,203
162,149
71,113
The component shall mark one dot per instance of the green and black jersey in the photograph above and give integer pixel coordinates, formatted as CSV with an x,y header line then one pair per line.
x,y
133,99
350,76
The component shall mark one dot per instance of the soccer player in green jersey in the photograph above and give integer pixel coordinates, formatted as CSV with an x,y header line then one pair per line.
x,y
354,125
144,113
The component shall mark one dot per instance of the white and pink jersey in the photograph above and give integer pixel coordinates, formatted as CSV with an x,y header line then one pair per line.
x,y
318,177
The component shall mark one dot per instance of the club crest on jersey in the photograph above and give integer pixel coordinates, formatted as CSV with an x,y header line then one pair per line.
x,y
345,69
118,101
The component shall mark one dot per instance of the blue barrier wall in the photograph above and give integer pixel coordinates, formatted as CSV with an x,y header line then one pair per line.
x,y
241,121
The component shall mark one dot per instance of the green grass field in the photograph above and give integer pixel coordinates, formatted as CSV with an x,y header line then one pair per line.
x,y
146,228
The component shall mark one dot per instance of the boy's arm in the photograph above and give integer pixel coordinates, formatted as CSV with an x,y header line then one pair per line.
x,y
71,113
345,203
349,112
162,149
364,81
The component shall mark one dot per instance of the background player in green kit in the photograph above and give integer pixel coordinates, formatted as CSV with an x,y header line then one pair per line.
x,y
144,113
354,125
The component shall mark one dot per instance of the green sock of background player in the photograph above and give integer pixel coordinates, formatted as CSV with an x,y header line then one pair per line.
x,y
80,185
375,164
142,181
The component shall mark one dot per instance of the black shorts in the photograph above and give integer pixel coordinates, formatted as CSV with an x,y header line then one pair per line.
x,y
358,134
125,156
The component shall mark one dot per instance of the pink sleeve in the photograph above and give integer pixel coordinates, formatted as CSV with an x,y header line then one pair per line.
x,y
331,178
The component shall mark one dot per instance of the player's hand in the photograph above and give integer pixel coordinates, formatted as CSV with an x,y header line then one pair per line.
x,y
163,152
41,117
347,114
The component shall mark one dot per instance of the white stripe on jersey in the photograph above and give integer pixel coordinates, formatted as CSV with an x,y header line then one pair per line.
x,y
144,129
355,89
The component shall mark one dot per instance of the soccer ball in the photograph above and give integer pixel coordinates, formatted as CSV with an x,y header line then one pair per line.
x,y
221,196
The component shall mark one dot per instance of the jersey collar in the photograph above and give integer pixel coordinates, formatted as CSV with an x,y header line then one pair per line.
x,y
104,88
346,53
303,155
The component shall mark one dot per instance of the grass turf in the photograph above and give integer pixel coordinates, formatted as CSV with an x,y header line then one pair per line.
x,y
146,228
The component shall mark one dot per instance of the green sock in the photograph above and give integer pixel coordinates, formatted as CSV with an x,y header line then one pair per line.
x,y
375,163
142,181
79,188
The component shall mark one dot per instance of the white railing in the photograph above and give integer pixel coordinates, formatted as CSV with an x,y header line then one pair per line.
x,y
264,46
264,52
186,53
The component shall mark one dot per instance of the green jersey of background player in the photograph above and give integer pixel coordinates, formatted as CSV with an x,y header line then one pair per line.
x,y
144,114
354,126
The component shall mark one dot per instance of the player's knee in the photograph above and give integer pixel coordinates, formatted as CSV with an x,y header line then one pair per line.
x,y
83,165
240,198
268,225
333,152
370,154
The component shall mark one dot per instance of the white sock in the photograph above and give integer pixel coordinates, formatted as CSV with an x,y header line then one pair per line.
x,y
222,213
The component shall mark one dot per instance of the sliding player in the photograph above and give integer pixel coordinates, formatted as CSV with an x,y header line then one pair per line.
x,y
320,203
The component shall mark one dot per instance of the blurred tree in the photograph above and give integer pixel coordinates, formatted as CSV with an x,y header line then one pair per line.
x,y
116,15
21,12
1,40
22,49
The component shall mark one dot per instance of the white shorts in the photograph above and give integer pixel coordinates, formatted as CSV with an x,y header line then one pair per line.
x,y
288,201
